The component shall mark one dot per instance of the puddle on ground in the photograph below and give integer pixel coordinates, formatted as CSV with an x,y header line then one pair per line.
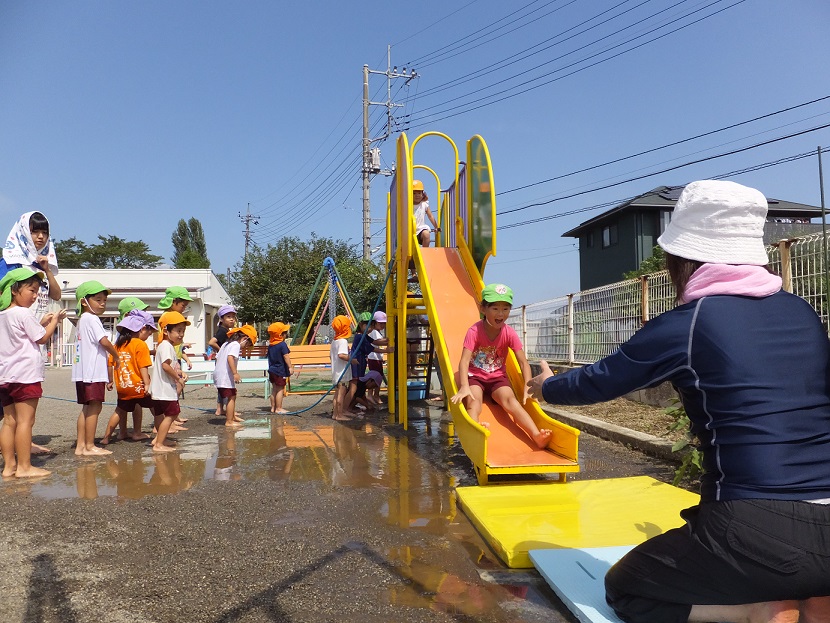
x,y
421,496
274,448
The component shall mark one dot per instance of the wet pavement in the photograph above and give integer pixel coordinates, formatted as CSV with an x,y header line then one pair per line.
x,y
291,518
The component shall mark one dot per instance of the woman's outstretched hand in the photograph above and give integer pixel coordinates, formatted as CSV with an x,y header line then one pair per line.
x,y
535,384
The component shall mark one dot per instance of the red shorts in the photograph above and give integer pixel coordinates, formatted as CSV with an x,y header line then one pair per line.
x,y
376,365
19,392
166,408
276,381
130,404
226,392
488,387
90,392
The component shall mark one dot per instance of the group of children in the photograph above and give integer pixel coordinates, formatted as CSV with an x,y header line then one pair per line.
x,y
141,381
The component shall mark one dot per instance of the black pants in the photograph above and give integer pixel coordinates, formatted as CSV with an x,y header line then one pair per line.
x,y
728,553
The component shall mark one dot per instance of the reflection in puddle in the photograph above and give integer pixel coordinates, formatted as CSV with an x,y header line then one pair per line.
x,y
273,449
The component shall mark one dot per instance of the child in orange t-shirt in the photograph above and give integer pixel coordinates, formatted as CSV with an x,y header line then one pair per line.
x,y
131,375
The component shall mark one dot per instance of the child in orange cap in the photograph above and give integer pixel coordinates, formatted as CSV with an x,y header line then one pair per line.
x,y
279,364
168,378
340,368
225,375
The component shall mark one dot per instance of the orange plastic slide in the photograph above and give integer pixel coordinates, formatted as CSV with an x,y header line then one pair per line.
x,y
451,301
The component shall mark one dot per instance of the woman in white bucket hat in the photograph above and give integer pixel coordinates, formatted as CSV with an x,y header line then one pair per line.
x,y
751,364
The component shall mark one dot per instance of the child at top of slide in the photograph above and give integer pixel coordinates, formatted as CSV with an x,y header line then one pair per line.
x,y
482,371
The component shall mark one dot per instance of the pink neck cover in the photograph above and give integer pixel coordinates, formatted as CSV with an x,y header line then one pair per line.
x,y
742,280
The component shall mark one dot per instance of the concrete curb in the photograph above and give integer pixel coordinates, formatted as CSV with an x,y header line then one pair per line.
x,y
648,444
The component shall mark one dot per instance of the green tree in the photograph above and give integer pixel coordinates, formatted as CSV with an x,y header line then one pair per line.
x,y
189,246
653,264
110,252
275,283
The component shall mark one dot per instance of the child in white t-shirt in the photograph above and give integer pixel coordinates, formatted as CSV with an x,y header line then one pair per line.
x,y
421,212
226,375
89,371
168,379
21,367
342,327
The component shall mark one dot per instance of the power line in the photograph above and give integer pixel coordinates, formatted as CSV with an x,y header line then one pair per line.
x,y
666,170
456,110
667,145
614,202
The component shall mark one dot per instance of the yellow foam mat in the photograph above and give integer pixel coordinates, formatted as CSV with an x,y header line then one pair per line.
x,y
514,519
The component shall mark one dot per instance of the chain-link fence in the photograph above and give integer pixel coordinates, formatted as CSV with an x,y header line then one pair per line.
x,y
589,325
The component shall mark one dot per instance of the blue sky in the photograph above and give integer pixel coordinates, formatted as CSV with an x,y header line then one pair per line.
x,y
120,118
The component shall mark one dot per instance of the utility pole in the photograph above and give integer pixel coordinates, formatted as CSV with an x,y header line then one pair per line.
x,y
248,218
371,157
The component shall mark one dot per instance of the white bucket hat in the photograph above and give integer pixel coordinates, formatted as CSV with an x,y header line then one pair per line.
x,y
718,222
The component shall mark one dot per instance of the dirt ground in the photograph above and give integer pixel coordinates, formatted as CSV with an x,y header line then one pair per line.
x,y
630,414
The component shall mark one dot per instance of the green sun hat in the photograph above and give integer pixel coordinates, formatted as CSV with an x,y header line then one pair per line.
x,y
365,317
88,288
171,294
497,292
14,276
129,303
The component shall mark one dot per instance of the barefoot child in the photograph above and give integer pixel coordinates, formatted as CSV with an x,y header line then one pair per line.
x,y
482,370
176,300
21,367
340,368
90,369
362,345
376,329
226,321
132,376
168,379
226,374
279,364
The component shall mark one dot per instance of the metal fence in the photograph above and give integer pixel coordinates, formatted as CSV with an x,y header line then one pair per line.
x,y
586,326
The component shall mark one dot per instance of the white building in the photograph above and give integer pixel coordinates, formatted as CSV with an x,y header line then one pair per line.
x,y
149,285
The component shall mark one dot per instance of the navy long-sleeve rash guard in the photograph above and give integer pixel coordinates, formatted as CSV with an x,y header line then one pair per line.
x,y
752,374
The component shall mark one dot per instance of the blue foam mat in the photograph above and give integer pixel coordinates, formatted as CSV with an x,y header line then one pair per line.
x,y
577,577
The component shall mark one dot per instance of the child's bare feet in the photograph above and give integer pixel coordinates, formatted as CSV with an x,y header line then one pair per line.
x,y
36,449
233,424
139,436
280,411
163,448
95,451
181,420
236,418
542,438
32,472
9,470
104,440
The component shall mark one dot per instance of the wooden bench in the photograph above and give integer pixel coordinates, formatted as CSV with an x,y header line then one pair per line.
x,y
314,356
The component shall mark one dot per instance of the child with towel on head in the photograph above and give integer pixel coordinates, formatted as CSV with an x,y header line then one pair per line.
x,y
21,367
279,364
132,376
226,374
90,372
28,245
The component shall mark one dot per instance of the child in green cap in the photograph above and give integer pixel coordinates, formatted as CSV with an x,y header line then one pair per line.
x,y
21,367
176,299
89,371
482,371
